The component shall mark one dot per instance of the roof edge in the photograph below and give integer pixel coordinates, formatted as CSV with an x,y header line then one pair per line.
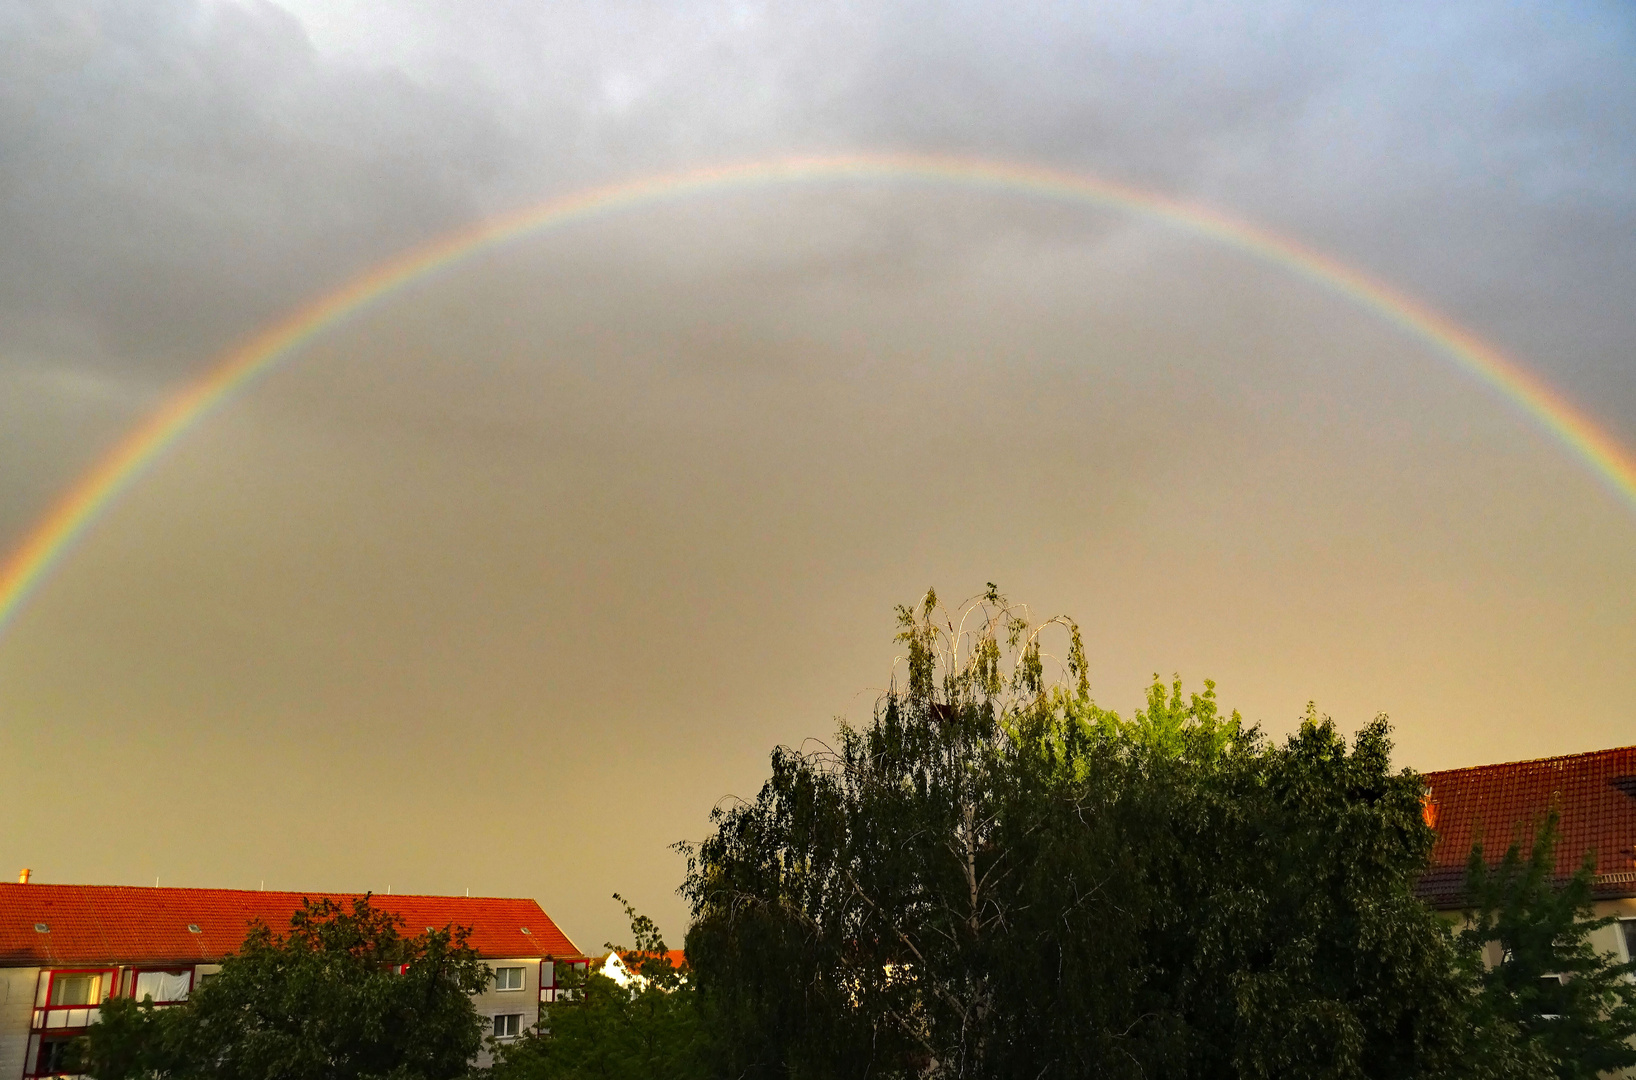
x,y
329,893
1532,761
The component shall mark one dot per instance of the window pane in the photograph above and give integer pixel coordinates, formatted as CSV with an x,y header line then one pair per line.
x,y
73,989
1552,996
52,1053
508,978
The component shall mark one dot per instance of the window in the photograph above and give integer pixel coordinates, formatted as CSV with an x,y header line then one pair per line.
x,y
1553,1000
53,1052
508,978
549,991
161,985
550,988
1627,934
508,1025
76,989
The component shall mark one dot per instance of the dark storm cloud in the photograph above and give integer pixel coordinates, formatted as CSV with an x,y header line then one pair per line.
x,y
1481,156
175,172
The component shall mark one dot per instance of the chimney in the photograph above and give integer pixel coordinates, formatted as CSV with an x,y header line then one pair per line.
x,y
22,879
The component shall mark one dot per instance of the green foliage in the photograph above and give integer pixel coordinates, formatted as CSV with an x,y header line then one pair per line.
x,y
649,1031
1300,948
1573,1007
324,1000
132,1041
650,959
998,878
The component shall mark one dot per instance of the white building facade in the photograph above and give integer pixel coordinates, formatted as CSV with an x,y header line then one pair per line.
x,y
66,949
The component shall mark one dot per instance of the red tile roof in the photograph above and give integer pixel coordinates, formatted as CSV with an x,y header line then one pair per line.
x,y
1595,794
116,924
632,957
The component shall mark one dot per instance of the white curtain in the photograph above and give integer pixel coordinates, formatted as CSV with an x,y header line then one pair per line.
x,y
161,985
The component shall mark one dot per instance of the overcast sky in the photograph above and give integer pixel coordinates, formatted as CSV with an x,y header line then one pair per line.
x,y
505,582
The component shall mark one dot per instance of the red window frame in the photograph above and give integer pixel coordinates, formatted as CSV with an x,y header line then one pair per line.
x,y
39,1045
42,996
42,1033
550,989
548,986
131,974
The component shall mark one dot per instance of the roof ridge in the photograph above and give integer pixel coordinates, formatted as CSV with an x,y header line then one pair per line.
x,y
255,892
1533,761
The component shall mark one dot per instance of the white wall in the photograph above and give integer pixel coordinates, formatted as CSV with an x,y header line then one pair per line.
x,y
526,1001
16,1009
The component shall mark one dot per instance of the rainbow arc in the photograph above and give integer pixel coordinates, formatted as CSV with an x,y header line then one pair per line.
x,y
45,545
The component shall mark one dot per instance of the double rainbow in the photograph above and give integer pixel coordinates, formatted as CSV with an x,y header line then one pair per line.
x,y
74,512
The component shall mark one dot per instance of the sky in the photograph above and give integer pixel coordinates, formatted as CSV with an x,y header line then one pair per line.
x,y
507,579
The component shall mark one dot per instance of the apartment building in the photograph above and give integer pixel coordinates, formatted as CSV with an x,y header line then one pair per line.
x,y
1595,795
65,949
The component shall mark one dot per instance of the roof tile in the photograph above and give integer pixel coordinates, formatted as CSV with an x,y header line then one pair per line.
x,y
1595,794
118,924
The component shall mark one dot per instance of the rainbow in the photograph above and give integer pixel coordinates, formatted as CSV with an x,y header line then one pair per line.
x,y
53,536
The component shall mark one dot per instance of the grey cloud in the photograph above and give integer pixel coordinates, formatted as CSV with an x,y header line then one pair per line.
x,y
175,172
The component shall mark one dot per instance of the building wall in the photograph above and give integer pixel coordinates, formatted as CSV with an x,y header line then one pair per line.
x,y
16,1009
18,986
1610,939
524,1001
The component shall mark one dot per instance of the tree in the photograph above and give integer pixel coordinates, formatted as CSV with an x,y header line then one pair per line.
x,y
648,1031
342,995
843,920
1573,1006
996,877
1300,948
